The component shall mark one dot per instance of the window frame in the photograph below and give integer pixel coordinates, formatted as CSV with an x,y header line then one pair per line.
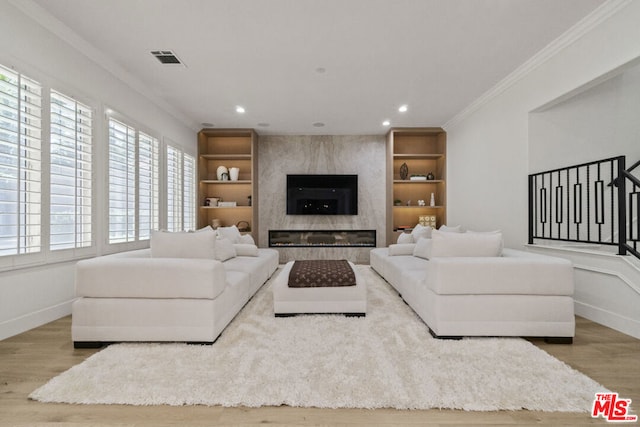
x,y
136,242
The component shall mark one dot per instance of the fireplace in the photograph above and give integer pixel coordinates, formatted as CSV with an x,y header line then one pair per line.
x,y
322,238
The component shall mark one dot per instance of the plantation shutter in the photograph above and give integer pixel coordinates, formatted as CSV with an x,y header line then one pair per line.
x,y
148,184
174,189
189,221
71,173
20,163
122,182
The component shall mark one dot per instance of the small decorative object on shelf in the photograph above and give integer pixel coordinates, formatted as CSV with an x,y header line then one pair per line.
x,y
430,176
397,202
243,226
418,178
421,203
227,204
233,173
249,200
433,200
408,202
427,220
220,172
212,201
404,171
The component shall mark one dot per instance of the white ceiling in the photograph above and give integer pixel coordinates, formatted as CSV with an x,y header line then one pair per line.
x,y
436,56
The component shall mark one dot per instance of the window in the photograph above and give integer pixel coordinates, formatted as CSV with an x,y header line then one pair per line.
x,y
174,189
71,173
20,163
189,208
180,190
148,183
133,183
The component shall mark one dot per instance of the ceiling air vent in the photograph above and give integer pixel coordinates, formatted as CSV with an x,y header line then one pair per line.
x,y
166,57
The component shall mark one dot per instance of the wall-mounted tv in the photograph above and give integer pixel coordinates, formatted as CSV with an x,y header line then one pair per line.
x,y
322,194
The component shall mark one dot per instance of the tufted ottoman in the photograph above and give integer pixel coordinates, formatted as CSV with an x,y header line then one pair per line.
x,y
348,300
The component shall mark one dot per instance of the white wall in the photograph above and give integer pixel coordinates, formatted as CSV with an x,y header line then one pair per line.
x,y
490,153
488,148
33,296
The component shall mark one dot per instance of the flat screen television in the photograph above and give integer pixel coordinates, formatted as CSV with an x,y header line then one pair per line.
x,y
322,194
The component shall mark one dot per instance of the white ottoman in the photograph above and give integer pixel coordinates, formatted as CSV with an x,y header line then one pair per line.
x,y
349,300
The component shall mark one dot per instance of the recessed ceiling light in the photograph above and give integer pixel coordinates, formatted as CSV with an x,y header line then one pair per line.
x,y
403,108
240,109
386,123
321,70
318,124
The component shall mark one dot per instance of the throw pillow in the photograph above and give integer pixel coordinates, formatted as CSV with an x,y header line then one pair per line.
x,y
224,250
423,249
420,231
447,229
248,239
466,244
232,233
401,249
404,238
245,249
183,245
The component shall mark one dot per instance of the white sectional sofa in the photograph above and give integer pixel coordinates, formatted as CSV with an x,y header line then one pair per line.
x,y
499,292
165,293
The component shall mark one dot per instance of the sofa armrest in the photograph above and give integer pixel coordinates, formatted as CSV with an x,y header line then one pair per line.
x,y
527,275
133,277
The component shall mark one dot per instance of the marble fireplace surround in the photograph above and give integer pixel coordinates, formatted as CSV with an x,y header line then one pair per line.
x,y
364,155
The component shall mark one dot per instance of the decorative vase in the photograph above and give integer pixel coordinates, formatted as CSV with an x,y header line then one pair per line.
x,y
433,200
430,176
221,171
233,173
404,171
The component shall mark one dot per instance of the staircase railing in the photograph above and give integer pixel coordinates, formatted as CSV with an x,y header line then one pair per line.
x,y
574,204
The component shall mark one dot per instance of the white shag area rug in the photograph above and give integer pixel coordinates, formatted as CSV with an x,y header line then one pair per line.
x,y
387,359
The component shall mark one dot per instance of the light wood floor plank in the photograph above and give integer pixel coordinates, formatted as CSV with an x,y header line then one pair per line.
x,y
29,360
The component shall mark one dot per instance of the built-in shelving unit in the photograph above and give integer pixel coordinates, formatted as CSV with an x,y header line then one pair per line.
x,y
423,150
229,148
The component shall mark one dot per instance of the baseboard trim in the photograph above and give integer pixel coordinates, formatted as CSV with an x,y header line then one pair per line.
x,y
609,319
21,324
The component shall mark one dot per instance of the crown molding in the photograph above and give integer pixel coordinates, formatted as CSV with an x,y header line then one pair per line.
x,y
595,18
66,34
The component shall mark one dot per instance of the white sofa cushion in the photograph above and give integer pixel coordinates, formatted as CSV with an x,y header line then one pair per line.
x,y
244,249
423,249
421,231
448,229
401,249
232,233
404,238
247,239
445,244
183,245
224,250
123,277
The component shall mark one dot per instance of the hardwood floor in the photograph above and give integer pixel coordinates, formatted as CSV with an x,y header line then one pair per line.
x,y
29,360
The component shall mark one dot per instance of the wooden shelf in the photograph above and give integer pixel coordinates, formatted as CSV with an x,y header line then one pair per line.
x,y
418,207
226,207
418,151
226,156
427,181
417,156
231,148
215,181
